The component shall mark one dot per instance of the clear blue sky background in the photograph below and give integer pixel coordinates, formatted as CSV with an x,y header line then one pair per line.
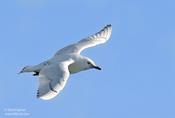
x,y
137,80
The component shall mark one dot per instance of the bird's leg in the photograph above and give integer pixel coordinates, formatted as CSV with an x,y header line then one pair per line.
x,y
50,86
36,74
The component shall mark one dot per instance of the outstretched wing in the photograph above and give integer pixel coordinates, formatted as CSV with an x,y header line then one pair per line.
x,y
100,37
52,79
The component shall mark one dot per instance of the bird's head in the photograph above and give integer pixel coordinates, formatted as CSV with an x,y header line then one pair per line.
x,y
89,64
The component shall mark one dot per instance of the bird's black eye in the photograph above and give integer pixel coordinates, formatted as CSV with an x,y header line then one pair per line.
x,y
88,62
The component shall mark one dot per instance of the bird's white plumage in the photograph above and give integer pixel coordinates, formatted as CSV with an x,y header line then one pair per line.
x,y
98,38
52,79
54,73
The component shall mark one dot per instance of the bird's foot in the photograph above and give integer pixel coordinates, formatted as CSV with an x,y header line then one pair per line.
x,y
36,74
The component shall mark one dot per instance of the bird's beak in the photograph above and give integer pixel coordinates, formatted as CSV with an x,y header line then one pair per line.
x,y
96,67
20,72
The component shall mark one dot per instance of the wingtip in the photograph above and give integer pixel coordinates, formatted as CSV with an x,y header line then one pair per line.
x,y
109,25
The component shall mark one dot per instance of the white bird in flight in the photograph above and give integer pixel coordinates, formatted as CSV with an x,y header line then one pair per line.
x,y
54,73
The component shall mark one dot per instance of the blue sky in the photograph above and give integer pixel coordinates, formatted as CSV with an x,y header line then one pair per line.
x,y
138,62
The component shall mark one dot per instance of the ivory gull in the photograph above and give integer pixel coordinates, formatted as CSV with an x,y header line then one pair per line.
x,y
54,73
